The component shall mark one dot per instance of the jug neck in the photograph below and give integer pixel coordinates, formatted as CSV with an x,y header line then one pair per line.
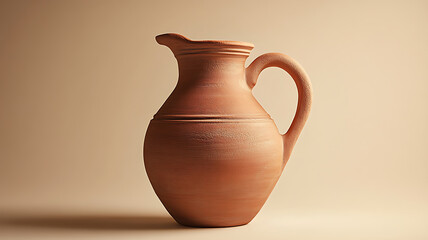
x,y
207,68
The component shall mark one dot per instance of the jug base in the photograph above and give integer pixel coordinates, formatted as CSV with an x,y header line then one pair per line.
x,y
195,225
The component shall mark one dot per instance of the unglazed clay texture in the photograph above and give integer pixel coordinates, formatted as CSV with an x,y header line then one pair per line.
x,y
212,153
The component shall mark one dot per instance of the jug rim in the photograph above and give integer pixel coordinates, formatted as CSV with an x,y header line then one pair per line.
x,y
205,42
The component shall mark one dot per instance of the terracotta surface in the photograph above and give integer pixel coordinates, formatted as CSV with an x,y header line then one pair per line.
x,y
212,153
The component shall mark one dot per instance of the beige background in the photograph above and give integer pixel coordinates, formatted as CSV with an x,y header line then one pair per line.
x,y
80,80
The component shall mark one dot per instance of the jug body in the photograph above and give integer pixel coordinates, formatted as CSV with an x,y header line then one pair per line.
x,y
211,172
212,153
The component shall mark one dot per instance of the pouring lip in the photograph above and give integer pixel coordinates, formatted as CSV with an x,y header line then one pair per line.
x,y
226,43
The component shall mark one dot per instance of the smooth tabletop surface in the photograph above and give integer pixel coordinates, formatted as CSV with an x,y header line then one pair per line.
x,y
149,224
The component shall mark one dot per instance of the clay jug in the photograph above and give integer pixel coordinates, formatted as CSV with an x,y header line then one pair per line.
x,y
212,153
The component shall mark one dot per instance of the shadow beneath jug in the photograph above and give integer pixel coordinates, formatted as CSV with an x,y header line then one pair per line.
x,y
94,222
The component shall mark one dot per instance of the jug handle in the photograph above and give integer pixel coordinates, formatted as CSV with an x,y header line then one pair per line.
x,y
304,90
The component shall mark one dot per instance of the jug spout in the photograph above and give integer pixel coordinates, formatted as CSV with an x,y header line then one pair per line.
x,y
173,41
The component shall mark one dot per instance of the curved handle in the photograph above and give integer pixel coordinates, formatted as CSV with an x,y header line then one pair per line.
x,y
303,87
